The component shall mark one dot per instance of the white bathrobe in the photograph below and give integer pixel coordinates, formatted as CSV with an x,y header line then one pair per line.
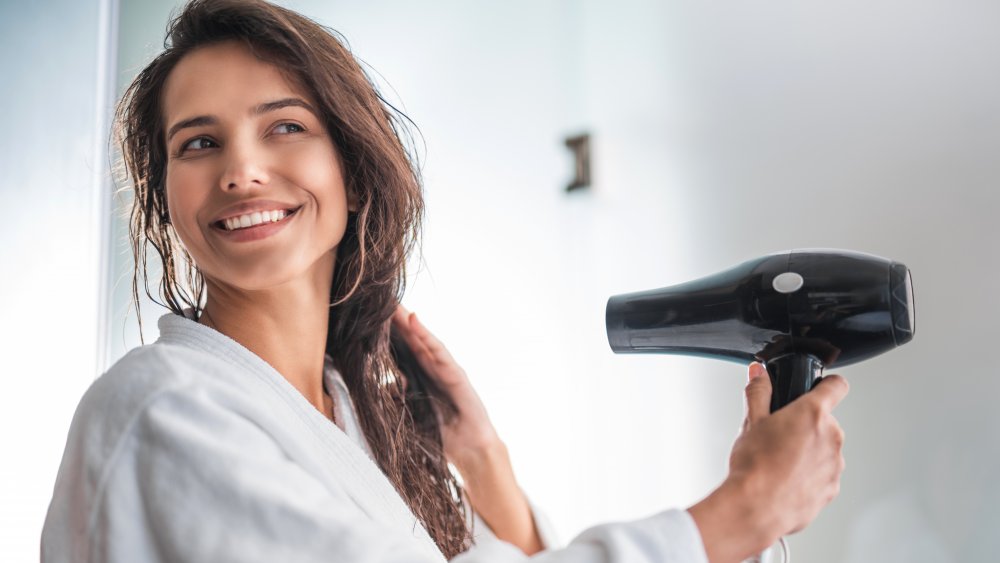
x,y
194,449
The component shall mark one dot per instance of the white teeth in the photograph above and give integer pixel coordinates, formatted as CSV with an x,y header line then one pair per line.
x,y
255,218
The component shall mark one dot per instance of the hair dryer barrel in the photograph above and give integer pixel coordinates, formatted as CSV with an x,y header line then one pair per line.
x,y
705,317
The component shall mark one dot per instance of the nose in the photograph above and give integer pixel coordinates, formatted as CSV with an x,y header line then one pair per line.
x,y
245,168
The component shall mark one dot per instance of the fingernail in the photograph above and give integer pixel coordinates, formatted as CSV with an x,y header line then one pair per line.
x,y
756,370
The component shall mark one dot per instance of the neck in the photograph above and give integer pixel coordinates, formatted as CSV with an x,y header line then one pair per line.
x,y
285,325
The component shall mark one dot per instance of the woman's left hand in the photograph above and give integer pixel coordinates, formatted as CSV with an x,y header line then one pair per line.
x,y
472,444
470,434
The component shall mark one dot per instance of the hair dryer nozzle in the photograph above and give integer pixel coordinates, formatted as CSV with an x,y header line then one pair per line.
x,y
903,313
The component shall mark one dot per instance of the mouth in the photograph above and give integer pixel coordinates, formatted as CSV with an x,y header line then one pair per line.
x,y
254,220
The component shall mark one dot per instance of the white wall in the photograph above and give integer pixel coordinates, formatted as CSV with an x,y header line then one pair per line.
x,y
55,97
721,132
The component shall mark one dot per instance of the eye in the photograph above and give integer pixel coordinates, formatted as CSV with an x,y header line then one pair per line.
x,y
194,144
296,128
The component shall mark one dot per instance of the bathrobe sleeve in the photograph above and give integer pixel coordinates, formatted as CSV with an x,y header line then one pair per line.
x,y
666,537
194,481
482,533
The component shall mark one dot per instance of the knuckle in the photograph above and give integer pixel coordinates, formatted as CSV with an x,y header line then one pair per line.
x,y
816,413
838,437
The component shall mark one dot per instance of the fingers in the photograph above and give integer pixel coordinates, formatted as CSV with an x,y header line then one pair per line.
x,y
411,332
430,352
830,391
426,339
758,394
401,316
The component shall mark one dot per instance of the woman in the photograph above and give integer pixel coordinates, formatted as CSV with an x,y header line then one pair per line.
x,y
291,409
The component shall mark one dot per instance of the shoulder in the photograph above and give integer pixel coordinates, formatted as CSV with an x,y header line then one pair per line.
x,y
103,431
143,381
140,376
116,398
210,373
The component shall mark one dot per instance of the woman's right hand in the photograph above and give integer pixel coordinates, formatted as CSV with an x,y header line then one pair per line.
x,y
784,468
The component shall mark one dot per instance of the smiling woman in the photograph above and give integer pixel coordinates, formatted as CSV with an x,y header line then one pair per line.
x,y
282,205
292,409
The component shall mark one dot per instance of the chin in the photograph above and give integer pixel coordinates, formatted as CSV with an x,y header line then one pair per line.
x,y
257,277
270,270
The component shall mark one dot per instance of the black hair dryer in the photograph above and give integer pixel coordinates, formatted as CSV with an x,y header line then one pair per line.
x,y
797,312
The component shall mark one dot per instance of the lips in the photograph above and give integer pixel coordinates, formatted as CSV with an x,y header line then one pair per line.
x,y
253,213
253,220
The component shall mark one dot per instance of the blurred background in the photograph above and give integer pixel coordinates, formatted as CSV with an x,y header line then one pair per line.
x,y
719,132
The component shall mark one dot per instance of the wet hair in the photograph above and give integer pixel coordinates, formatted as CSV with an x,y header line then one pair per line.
x,y
401,422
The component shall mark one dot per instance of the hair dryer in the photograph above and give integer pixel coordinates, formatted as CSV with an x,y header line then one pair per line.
x,y
796,312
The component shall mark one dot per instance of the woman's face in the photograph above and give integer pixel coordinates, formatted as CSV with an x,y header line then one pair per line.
x,y
253,180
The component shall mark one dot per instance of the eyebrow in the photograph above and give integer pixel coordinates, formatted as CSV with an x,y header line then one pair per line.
x,y
260,109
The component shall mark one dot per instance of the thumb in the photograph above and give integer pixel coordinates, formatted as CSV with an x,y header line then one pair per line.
x,y
758,394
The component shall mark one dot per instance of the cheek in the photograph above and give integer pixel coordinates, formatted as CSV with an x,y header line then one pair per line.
x,y
319,172
183,202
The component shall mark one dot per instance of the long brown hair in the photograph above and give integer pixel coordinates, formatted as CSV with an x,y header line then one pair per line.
x,y
372,137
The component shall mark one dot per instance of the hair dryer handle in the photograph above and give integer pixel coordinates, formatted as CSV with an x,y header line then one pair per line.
x,y
792,375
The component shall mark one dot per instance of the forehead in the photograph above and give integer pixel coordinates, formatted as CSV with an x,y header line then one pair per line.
x,y
223,79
